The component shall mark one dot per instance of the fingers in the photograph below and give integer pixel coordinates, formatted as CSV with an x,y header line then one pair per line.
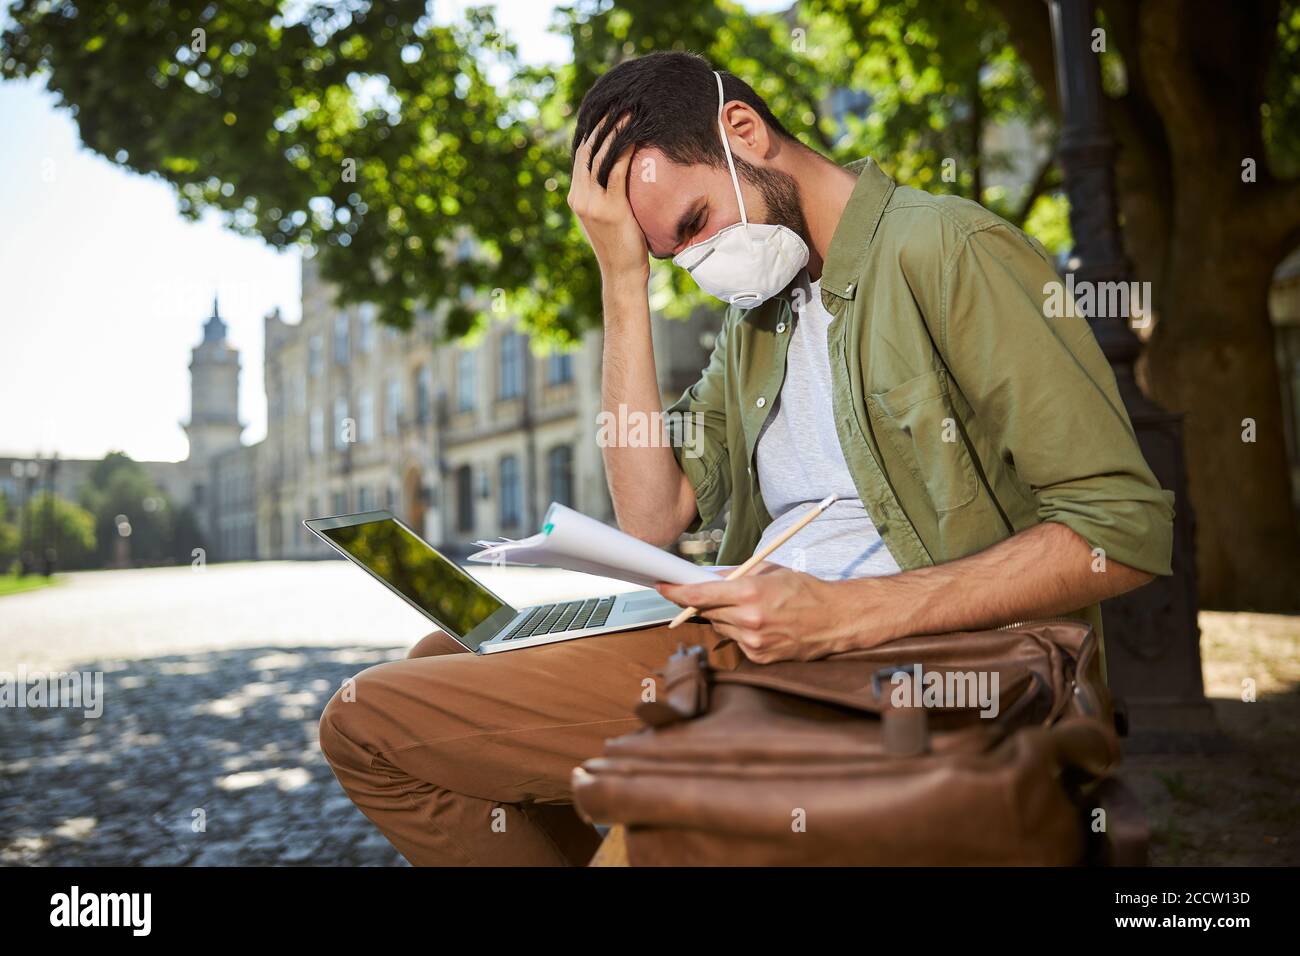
x,y
584,150
711,594
606,136
618,172
729,631
598,160
580,177
604,131
745,616
749,642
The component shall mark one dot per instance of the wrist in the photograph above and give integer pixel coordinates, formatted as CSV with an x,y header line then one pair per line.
x,y
625,282
845,619
866,613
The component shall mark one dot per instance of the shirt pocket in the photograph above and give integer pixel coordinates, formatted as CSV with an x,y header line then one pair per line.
x,y
918,423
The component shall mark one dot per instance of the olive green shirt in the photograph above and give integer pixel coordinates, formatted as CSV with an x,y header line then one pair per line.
x,y
965,414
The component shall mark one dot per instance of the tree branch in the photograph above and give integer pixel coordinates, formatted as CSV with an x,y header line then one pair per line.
x,y
1030,30
1036,189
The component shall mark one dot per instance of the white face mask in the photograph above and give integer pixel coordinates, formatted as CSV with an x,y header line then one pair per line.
x,y
747,263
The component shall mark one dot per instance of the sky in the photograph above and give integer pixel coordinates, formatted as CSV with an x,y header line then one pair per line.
x,y
104,288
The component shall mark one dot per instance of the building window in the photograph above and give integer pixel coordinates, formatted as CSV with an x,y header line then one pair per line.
x,y
423,395
315,356
366,327
559,472
316,435
342,347
340,499
846,102
465,499
466,367
365,500
510,496
343,426
366,416
510,384
393,407
559,368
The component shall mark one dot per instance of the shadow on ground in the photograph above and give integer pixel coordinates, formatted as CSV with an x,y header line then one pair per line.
x,y
198,759
212,759
1236,808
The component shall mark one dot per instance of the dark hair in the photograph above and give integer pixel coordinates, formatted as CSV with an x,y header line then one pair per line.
x,y
672,101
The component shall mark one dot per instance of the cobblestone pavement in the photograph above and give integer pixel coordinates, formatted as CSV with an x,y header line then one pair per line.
x,y
213,682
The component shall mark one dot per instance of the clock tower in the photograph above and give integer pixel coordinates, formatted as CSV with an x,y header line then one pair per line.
x,y
214,424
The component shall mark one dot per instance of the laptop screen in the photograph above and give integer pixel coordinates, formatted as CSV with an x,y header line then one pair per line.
x,y
410,566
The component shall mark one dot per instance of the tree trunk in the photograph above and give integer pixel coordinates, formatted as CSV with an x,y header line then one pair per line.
x,y
1212,357
1208,243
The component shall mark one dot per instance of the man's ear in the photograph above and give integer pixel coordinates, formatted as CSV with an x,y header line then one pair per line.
x,y
747,134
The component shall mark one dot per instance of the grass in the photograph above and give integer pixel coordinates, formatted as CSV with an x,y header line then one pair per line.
x,y
13,584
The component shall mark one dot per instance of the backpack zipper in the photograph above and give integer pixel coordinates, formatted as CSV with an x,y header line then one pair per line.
x,y
1043,620
1090,705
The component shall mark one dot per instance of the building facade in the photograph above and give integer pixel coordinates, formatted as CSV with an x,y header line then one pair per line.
x,y
462,441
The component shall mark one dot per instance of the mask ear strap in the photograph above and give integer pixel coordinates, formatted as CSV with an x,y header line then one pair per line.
x,y
726,148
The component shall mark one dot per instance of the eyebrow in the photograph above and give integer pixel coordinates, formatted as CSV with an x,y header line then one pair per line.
x,y
693,210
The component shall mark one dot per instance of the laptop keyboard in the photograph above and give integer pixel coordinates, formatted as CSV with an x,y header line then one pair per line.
x,y
566,616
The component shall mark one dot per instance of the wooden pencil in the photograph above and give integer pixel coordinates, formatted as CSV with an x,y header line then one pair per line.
x,y
743,569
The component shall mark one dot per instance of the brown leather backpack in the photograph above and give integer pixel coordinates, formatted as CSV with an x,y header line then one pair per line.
x,y
896,755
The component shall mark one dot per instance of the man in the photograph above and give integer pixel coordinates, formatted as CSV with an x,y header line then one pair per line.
x,y
883,344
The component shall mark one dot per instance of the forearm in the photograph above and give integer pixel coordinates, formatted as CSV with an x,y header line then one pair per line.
x,y
1044,571
652,498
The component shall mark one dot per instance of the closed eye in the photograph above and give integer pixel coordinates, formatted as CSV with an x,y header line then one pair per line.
x,y
692,228
689,225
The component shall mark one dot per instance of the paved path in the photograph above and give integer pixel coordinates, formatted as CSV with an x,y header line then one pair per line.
x,y
144,613
206,752
213,682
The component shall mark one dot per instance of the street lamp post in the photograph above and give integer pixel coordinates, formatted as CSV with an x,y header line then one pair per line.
x,y
26,472
16,469
1152,637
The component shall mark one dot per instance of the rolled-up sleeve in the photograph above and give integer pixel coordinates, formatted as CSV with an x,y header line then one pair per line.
x,y
1042,386
697,427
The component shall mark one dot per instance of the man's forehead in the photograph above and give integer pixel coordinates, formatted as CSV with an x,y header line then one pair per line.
x,y
652,176
660,191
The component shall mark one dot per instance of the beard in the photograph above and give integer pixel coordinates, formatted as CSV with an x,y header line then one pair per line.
x,y
781,195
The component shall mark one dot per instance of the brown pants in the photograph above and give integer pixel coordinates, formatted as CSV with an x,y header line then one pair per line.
x,y
462,759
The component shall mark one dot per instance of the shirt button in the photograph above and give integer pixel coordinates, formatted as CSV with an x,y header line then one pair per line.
x,y
780,327
761,401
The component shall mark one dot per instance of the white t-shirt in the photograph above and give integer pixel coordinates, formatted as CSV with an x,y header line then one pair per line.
x,y
800,462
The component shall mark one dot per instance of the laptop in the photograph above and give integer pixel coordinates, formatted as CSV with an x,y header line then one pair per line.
x,y
439,589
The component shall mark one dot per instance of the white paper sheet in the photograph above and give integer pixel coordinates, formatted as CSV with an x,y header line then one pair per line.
x,y
573,541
